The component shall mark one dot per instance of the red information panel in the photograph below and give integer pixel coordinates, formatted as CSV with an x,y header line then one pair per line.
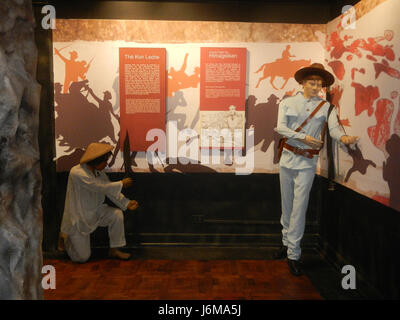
x,y
222,97
142,94
222,78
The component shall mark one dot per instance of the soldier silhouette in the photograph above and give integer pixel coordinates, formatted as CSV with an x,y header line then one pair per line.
x,y
178,80
391,172
76,114
73,69
359,163
262,117
286,55
106,110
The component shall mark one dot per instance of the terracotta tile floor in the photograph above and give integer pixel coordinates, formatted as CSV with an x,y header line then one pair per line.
x,y
178,280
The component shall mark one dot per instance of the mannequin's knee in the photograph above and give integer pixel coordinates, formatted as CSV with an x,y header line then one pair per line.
x,y
118,215
81,258
78,252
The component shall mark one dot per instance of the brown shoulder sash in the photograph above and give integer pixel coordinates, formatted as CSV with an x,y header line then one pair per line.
x,y
312,114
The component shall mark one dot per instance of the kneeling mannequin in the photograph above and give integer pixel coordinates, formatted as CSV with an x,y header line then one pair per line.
x,y
85,210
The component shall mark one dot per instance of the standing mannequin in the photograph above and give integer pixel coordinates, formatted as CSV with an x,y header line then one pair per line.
x,y
300,154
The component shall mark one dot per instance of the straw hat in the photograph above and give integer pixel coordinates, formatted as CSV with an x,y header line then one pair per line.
x,y
95,150
316,69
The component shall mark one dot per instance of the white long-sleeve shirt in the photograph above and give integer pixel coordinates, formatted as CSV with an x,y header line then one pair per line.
x,y
291,114
86,193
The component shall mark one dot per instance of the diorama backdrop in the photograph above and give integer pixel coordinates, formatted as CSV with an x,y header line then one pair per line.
x,y
365,61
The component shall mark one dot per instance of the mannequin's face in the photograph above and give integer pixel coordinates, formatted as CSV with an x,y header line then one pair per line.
x,y
312,87
101,166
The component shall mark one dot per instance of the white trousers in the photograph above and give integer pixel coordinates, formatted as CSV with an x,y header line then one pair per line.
x,y
295,191
77,245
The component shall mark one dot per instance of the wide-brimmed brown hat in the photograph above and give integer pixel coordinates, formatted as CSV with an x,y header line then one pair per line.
x,y
95,150
316,69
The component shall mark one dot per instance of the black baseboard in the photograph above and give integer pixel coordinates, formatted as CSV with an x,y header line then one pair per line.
x,y
363,286
356,230
100,239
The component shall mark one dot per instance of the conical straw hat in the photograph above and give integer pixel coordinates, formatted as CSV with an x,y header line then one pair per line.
x,y
95,150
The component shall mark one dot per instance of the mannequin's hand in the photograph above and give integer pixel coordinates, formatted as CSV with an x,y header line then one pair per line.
x,y
348,139
312,142
127,182
132,205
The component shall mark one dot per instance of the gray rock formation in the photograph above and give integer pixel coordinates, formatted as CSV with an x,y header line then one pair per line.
x,y
20,179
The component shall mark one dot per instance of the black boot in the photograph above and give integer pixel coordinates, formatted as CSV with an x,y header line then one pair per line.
x,y
295,267
281,253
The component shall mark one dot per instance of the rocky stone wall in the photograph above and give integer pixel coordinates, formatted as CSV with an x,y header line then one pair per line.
x,y
20,177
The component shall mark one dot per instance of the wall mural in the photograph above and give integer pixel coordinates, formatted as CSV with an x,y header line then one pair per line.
x,y
90,110
364,61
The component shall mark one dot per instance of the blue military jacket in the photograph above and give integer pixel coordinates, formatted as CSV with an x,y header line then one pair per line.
x,y
292,112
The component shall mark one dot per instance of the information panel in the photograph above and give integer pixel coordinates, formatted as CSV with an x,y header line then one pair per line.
x,y
222,97
142,94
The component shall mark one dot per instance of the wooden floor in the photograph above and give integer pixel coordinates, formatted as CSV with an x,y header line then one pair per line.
x,y
153,279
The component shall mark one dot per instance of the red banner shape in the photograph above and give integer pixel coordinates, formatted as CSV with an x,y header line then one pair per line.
x,y
142,94
222,78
